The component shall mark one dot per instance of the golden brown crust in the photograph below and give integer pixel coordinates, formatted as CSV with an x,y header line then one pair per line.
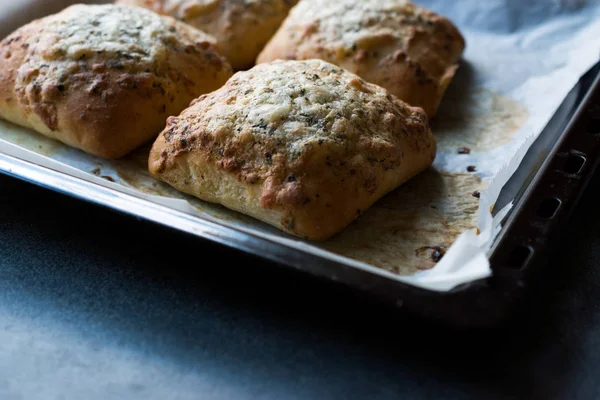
x,y
304,146
241,27
410,51
104,78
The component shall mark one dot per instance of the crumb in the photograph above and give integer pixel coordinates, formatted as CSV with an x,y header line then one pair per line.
x,y
471,168
108,178
437,253
464,150
476,194
96,171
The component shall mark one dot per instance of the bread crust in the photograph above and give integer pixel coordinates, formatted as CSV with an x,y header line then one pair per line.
x,y
105,78
411,51
302,145
241,27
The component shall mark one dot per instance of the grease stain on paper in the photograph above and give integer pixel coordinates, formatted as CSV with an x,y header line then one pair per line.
x,y
402,231
478,119
30,140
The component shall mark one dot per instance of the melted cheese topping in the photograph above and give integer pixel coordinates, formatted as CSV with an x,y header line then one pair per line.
x,y
128,39
288,108
348,23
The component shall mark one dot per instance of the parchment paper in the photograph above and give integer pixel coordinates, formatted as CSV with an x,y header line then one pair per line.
x,y
522,59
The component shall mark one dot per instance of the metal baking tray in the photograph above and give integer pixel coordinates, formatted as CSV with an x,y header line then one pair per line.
x,y
544,189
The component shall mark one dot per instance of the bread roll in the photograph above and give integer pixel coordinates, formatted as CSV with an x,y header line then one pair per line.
x,y
104,78
241,27
303,145
395,44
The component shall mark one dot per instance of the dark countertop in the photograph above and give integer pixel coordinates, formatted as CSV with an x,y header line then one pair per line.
x,y
97,305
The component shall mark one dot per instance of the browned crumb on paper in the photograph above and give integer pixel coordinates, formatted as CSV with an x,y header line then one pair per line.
x,y
436,253
402,231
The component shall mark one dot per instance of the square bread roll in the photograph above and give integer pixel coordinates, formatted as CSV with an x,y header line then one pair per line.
x,y
104,78
241,27
302,145
395,44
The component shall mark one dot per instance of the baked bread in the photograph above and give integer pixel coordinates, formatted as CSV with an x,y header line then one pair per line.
x,y
406,49
105,78
303,145
242,27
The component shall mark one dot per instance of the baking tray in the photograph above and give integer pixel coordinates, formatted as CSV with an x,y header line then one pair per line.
x,y
545,188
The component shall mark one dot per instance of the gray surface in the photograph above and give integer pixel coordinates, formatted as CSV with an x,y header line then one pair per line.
x,y
96,305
